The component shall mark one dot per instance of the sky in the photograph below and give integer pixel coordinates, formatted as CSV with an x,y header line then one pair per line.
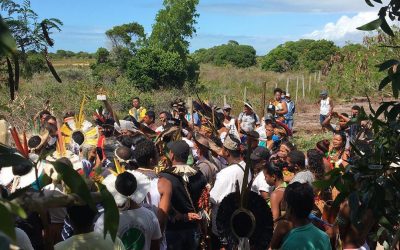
x,y
263,24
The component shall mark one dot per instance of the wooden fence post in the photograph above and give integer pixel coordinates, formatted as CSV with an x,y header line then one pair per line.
x,y
309,85
297,87
287,85
319,76
303,87
225,100
245,94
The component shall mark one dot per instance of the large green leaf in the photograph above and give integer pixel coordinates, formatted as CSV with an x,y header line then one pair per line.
x,y
385,81
75,182
371,25
7,222
111,212
7,42
386,28
369,3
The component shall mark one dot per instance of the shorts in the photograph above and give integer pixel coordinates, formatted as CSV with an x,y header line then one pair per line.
x,y
322,118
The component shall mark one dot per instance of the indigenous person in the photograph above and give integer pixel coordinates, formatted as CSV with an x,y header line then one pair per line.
x,y
266,132
84,237
225,182
299,198
248,119
164,116
229,121
138,227
338,153
209,169
149,120
260,157
274,177
281,107
138,112
326,107
297,163
182,230
291,110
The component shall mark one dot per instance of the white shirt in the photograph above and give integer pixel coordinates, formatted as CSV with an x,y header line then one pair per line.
x,y
260,184
248,122
57,215
325,107
225,184
136,226
23,240
90,241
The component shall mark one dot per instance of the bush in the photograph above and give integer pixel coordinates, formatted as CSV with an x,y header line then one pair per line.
x,y
153,68
35,63
241,56
280,59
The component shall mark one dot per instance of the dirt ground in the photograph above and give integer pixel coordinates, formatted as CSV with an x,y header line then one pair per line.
x,y
307,115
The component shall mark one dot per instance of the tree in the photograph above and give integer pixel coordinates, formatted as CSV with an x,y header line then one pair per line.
x,y
280,59
154,68
130,35
30,35
175,24
102,55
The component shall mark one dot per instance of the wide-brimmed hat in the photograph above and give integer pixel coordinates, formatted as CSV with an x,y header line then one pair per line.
x,y
232,143
324,92
207,142
247,104
227,106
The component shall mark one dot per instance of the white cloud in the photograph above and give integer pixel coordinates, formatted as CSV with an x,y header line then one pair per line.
x,y
345,29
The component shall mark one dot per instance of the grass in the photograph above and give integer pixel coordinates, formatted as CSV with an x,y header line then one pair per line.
x,y
305,140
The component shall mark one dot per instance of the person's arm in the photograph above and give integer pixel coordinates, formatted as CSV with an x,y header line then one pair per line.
x,y
264,194
284,109
275,202
281,229
165,190
346,119
331,105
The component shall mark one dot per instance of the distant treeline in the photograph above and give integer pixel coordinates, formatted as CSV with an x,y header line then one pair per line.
x,y
62,54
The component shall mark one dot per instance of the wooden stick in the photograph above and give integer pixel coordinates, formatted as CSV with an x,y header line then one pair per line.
x,y
287,85
224,100
309,85
297,87
245,94
303,86
319,76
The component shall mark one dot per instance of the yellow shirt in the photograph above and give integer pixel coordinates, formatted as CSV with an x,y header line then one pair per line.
x,y
138,113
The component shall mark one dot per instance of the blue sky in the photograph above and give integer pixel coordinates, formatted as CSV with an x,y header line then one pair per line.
x,y
263,24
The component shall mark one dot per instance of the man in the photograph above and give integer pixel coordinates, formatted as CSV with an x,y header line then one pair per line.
x,y
280,106
137,111
299,200
187,186
291,109
354,128
149,120
82,218
326,107
297,164
225,182
204,164
341,127
259,158
248,119
164,116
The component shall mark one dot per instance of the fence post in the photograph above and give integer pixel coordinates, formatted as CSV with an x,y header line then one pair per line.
x,y
319,76
224,100
309,85
287,85
245,94
315,77
297,87
263,98
303,87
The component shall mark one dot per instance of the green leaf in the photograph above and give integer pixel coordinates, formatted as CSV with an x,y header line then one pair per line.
x,y
384,106
7,222
385,27
388,64
378,1
370,106
385,82
75,182
7,42
396,85
322,184
111,212
369,3
371,25
394,112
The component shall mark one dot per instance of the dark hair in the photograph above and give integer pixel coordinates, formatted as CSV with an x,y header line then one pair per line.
x,y
356,107
345,115
316,163
299,199
278,90
66,161
69,114
343,136
289,145
136,98
78,137
323,146
124,153
43,112
144,151
151,114
81,216
49,117
271,169
51,128
234,153
126,183
167,114
34,141
297,158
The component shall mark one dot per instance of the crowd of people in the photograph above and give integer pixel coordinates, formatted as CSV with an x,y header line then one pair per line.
x,y
172,178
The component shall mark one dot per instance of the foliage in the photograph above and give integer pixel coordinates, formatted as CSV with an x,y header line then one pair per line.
x,y
130,35
154,68
102,55
30,34
241,56
35,63
174,26
304,54
371,181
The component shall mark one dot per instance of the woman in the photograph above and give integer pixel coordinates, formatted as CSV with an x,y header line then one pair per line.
x,y
280,159
274,177
337,151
